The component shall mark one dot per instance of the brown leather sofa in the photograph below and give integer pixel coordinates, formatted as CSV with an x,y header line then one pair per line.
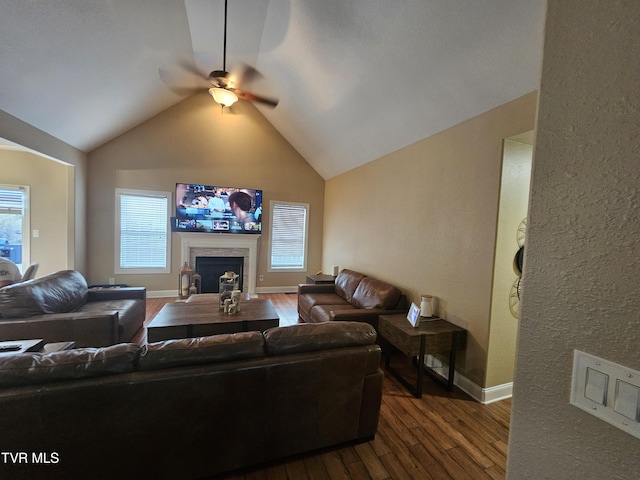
x,y
60,307
353,297
189,408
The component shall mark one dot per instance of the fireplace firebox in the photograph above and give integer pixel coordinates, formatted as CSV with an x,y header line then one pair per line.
x,y
211,268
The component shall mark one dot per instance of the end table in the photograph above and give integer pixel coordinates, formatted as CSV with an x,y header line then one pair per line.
x,y
412,341
320,279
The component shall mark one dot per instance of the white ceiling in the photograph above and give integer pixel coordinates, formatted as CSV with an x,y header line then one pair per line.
x,y
356,79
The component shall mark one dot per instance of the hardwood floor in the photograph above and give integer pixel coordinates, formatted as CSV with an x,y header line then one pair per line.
x,y
442,436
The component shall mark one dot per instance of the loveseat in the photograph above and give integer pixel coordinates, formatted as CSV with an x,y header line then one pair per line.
x,y
190,408
60,307
353,297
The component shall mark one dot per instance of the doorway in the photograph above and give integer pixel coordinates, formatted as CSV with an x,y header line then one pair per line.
x,y
511,229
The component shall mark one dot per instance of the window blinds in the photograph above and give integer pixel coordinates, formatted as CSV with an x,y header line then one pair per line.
x,y
11,201
143,231
288,236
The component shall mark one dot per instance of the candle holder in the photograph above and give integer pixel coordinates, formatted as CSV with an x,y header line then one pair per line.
x,y
196,284
185,279
227,284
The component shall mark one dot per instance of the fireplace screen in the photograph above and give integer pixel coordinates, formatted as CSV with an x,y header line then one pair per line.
x,y
211,268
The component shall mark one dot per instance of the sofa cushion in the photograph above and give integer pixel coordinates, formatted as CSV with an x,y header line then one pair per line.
x,y
346,283
58,292
36,368
193,351
373,293
310,337
307,301
322,313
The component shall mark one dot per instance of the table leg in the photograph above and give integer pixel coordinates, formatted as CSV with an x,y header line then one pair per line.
x,y
448,384
420,368
455,336
417,390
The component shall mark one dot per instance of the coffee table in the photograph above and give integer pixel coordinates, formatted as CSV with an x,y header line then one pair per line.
x,y
199,319
33,346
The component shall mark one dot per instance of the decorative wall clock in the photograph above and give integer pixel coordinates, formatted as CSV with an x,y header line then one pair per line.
x,y
514,293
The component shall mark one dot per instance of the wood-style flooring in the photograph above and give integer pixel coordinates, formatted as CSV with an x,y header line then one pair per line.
x,y
443,436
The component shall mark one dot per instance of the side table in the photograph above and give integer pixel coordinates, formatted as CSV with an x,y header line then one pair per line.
x,y
412,341
320,279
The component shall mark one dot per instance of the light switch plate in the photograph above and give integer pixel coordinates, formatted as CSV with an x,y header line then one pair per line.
x,y
607,390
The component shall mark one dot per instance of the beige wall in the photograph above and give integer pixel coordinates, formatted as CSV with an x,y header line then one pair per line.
x,y
31,138
49,184
583,243
424,219
193,142
514,201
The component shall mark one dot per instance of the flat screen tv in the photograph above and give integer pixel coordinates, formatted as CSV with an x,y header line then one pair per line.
x,y
205,208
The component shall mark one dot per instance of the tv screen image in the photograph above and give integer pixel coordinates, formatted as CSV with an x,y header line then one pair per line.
x,y
207,208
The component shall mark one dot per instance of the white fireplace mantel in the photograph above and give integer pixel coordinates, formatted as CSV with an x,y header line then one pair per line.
x,y
223,241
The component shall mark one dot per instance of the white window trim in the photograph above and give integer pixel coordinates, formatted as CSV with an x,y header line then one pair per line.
x,y
146,193
270,267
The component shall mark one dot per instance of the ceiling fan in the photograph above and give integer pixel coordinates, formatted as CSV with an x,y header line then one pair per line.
x,y
225,90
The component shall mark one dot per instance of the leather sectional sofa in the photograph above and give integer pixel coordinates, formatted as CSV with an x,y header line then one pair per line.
x,y
60,307
189,408
353,297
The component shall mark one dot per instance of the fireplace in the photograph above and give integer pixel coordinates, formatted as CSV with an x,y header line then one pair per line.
x,y
211,268
194,245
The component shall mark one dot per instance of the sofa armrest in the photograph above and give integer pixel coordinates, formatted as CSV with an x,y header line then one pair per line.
x,y
120,293
362,314
368,315
85,330
316,288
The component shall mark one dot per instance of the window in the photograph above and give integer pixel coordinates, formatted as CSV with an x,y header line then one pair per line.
x,y
289,225
142,231
14,223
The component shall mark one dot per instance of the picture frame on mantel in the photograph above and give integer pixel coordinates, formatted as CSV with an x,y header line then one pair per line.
x,y
414,315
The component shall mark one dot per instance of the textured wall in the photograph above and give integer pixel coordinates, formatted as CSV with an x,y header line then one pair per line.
x,y
581,288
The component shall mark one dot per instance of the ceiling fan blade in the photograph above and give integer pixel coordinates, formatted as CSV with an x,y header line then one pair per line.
x,y
270,102
180,82
190,67
184,91
248,74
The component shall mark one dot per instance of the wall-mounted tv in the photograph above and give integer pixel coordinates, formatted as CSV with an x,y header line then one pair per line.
x,y
205,208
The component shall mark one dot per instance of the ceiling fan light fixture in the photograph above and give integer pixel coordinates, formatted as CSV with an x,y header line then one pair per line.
x,y
222,96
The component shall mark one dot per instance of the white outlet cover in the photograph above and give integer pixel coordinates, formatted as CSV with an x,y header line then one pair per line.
x,y
607,390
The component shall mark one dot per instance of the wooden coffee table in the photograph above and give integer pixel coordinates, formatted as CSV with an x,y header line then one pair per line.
x,y
199,319
33,346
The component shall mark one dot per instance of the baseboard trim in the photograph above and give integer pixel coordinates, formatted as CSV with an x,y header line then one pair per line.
x,y
479,394
162,293
483,395
497,393
284,289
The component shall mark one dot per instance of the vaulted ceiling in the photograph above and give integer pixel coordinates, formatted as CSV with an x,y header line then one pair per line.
x,y
356,79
